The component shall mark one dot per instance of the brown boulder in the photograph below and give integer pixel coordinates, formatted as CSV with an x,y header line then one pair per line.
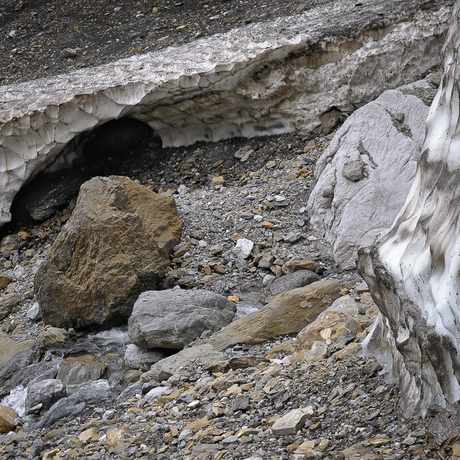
x,y
7,416
7,303
287,313
115,245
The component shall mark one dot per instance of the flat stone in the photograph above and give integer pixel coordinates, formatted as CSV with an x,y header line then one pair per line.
x,y
293,421
83,369
298,263
7,303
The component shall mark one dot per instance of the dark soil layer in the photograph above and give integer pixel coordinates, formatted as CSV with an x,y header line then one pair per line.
x,y
35,33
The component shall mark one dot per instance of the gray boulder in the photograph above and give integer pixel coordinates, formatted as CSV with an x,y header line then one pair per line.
x,y
44,393
365,174
96,394
175,317
136,357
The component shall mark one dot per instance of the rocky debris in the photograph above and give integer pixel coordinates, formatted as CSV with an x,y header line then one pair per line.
x,y
90,280
337,326
133,426
251,63
175,317
43,394
287,313
366,172
293,421
269,410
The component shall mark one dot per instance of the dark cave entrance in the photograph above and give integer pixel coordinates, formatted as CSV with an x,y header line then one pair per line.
x,y
110,149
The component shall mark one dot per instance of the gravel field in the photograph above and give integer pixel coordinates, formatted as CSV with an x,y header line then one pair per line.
x,y
40,38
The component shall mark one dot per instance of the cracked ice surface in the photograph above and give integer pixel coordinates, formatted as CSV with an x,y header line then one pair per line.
x,y
262,79
414,271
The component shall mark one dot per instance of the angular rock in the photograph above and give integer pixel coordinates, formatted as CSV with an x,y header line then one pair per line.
x,y
11,243
288,313
354,170
83,369
97,394
44,392
5,281
175,317
289,282
293,421
177,364
136,357
54,337
7,417
14,359
155,393
7,303
266,261
36,448
115,245
319,350
34,312
298,263
331,325
351,210
243,248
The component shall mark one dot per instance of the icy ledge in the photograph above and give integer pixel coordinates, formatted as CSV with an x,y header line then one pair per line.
x,y
414,271
262,79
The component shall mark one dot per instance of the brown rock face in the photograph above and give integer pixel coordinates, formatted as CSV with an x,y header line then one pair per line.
x,y
287,313
7,416
115,245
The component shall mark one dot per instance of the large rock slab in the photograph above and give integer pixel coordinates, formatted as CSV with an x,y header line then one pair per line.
x,y
96,394
80,370
116,244
175,317
365,174
265,78
44,393
287,313
14,360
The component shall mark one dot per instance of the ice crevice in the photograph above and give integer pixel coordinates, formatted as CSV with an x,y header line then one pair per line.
x,y
265,78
